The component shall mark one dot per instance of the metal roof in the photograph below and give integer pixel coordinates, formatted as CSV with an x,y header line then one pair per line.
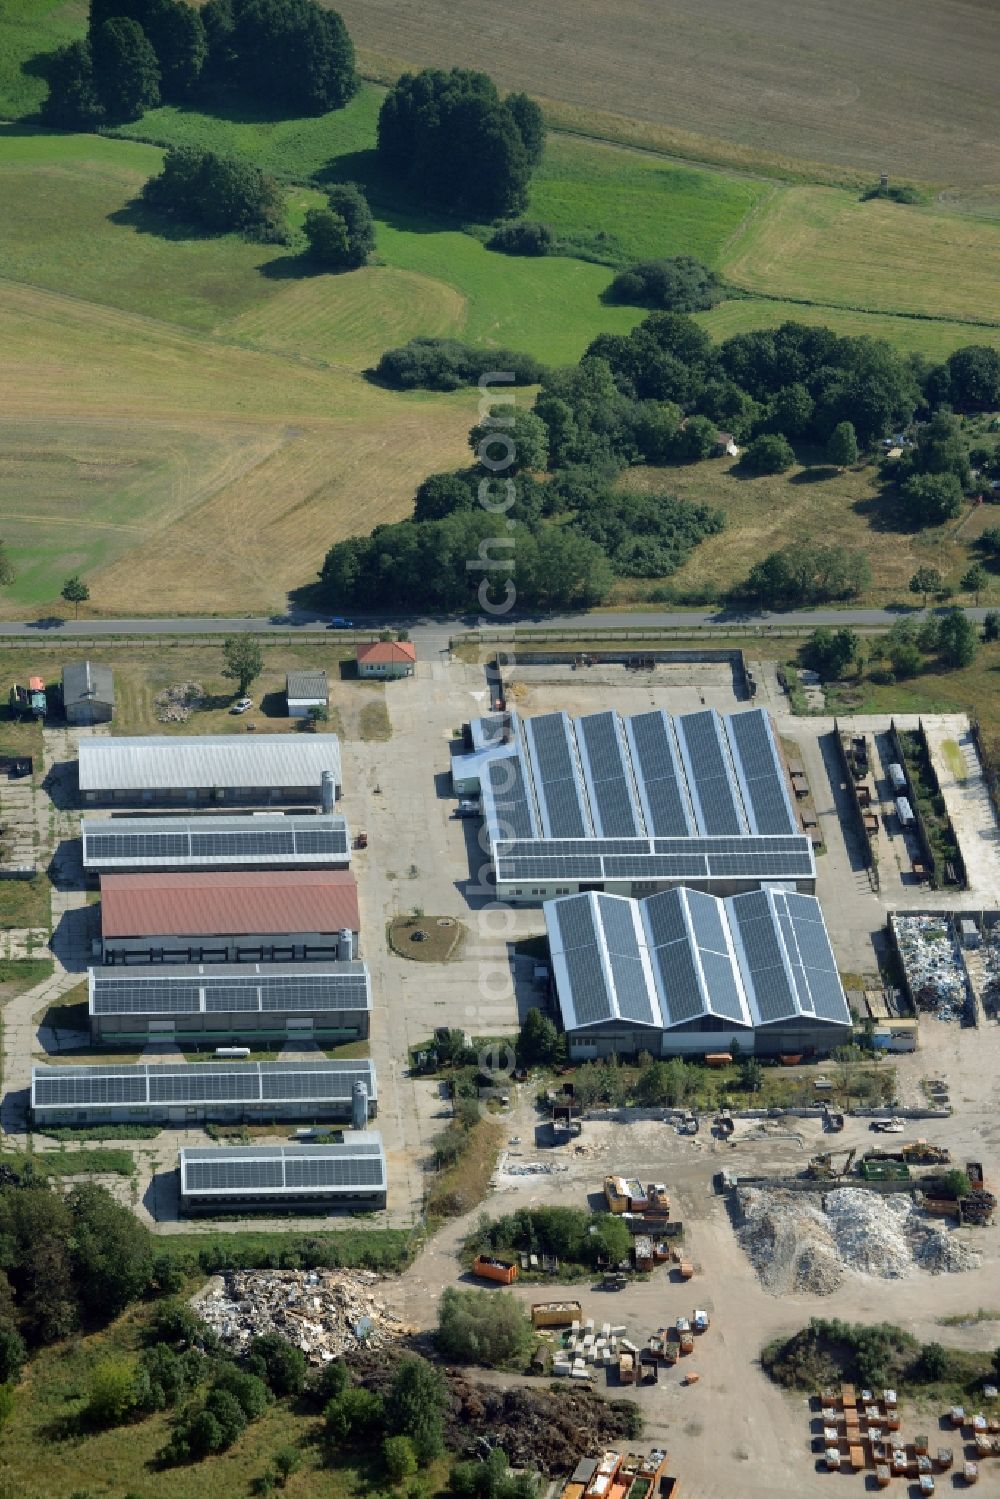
x,y
698,776
262,838
206,761
306,686
357,1163
83,682
234,903
682,956
230,988
158,1085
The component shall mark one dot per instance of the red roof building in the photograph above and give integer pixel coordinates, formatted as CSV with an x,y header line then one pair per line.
x,y
387,658
271,916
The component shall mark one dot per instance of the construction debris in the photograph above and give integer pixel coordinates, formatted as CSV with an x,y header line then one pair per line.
x,y
796,1245
326,1313
176,703
932,964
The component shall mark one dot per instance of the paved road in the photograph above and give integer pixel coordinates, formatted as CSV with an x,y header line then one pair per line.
x,y
435,632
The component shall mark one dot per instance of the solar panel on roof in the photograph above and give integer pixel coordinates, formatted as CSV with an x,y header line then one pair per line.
x,y
759,771
591,997
720,981
576,923
659,774
619,927
300,1172
611,796
706,921
664,917
631,989
557,779
680,985
234,1176
716,803
508,801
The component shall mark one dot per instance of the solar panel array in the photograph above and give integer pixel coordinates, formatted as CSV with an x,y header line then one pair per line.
x,y
194,843
557,779
602,754
759,958
709,790
354,1165
166,1084
183,992
552,859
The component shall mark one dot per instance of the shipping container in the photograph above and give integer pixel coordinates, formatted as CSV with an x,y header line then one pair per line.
x,y
555,1313
897,776
489,1268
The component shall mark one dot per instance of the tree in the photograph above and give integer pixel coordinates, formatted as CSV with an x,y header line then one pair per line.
x,y
112,1392
694,441
221,193
316,715
203,1435
354,1418
931,499
530,124
75,591
326,233
72,102
538,1044
995,1361
958,641
678,284
112,1251
807,574
974,579
229,1415
940,449
955,1183
933,1362
975,378
791,411
284,1364
348,202
399,1458
751,1075
905,658
244,661
494,1331
611,1238
126,73
415,1407
842,446
523,237
771,453
294,54
178,38
13,1353
512,440
991,625
830,652
926,580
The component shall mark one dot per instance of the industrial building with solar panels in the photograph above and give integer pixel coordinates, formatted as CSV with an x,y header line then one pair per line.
x,y
635,805
685,973
348,1173
258,840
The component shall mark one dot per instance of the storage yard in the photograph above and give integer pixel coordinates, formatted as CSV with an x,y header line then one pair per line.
x,y
720,933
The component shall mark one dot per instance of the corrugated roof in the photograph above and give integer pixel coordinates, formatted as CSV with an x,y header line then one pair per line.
x,y
230,904
203,762
83,682
308,686
389,652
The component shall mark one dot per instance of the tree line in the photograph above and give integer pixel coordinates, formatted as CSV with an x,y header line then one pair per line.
x,y
291,55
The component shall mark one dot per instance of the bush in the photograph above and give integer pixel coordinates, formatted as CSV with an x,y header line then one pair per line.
x,y
222,194
415,1407
931,499
493,1331
523,238
677,284
342,235
447,364
284,1364
770,453
354,1417
399,1458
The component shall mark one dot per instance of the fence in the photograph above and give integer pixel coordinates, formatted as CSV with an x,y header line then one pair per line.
x,y
735,658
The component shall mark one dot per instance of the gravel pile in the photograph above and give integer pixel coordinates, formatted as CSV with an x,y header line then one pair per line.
x,y
801,1242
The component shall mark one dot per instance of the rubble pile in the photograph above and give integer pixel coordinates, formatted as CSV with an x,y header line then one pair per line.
x,y
536,1427
795,1244
933,966
176,703
326,1313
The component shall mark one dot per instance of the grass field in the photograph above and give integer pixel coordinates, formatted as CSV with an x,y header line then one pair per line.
x,y
29,28
826,246
860,84
935,338
816,505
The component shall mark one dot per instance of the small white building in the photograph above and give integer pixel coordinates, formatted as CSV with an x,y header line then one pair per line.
x,y
387,658
305,690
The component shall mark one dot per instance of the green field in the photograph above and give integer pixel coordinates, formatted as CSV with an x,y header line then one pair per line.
x,y
935,337
29,29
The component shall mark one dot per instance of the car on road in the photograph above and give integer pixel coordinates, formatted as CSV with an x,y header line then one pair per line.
x,y
243,706
338,622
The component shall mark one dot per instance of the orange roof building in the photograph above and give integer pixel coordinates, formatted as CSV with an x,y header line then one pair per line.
x,y
387,658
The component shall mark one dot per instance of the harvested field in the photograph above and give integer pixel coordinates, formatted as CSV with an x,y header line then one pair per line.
x,y
866,84
808,1242
826,246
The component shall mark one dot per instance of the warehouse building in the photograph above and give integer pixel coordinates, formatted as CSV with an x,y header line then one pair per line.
x,y
310,1178
635,805
253,769
305,690
328,1003
88,693
685,973
253,840
281,916
197,1092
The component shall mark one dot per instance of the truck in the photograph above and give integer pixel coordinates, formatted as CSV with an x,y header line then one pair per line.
x,y
488,1267
29,701
699,1320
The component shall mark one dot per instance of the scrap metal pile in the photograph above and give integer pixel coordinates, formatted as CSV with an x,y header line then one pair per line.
x,y
326,1313
796,1245
933,966
991,971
